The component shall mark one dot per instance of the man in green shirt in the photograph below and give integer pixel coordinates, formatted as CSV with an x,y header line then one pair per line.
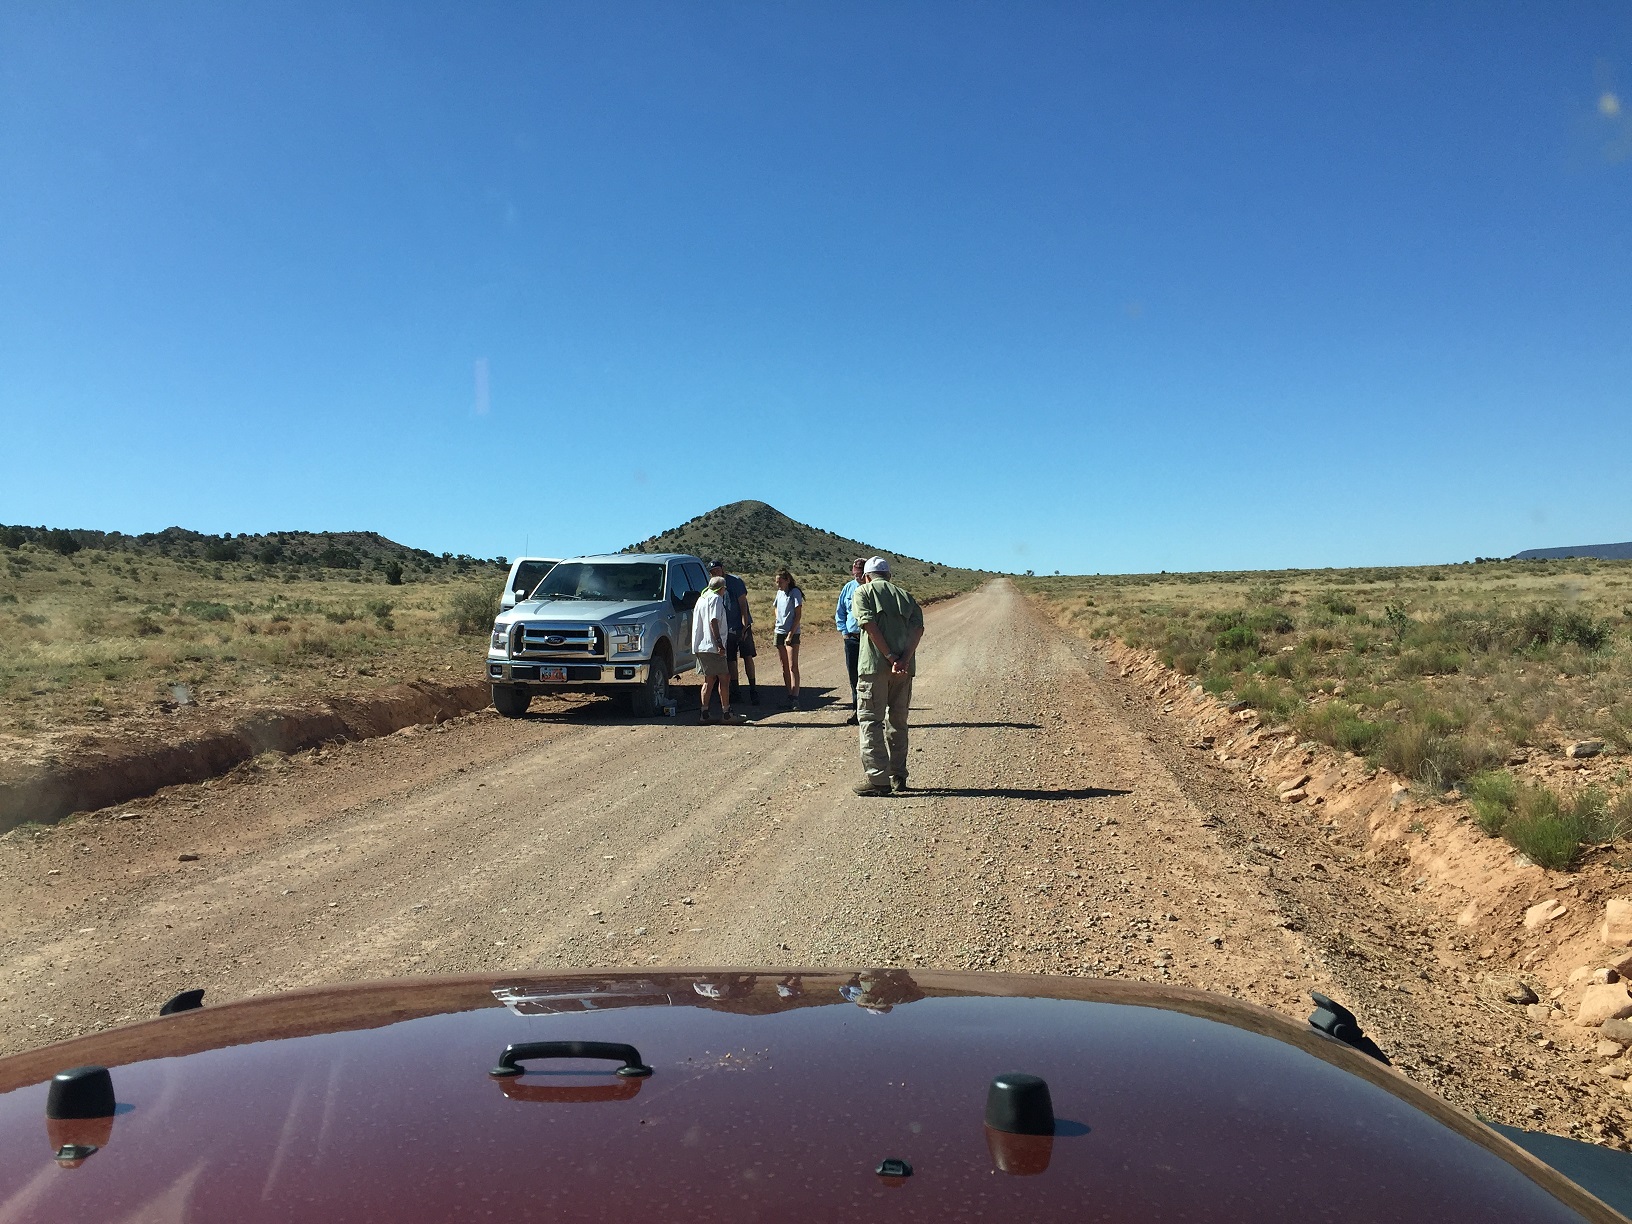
x,y
892,624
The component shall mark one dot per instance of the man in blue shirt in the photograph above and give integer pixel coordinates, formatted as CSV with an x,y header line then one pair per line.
x,y
741,623
844,620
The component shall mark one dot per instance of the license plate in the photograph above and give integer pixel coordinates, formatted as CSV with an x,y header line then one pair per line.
x,y
558,674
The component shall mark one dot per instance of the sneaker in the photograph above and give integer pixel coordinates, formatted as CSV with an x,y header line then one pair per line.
x,y
733,720
900,784
867,789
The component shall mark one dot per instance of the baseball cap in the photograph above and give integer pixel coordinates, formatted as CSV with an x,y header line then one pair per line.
x,y
716,563
876,565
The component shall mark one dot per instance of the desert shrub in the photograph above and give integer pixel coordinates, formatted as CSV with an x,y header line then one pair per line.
x,y
146,626
1544,830
1273,699
335,557
1580,629
63,542
206,610
1323,641
1189,662
1398,620
223,550
1430,751
1237,638
1492,795
1338,604
1270,620
1617,818
339,616
473,610
1339,724
393,573
1548,830
315,645
1432,660
33,620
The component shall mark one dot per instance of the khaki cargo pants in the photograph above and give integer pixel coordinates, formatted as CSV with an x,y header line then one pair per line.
x,y
882,701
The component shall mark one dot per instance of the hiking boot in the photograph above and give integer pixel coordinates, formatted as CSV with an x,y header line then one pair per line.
x,y
867,789
733,720
900,784
704,718
852,721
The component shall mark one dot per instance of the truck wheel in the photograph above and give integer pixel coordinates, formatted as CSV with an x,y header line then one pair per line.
x,y
647,700
511,702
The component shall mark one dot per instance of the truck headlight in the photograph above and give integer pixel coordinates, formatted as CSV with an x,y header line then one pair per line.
x,y
626,639
501,635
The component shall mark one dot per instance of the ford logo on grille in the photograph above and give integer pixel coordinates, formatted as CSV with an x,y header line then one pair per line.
x,y
554,641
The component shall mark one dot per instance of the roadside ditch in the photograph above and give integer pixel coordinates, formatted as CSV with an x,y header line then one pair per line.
x,y
113,771
1555,945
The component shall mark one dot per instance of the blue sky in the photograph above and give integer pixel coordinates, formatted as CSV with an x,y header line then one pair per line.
x,y
1053,286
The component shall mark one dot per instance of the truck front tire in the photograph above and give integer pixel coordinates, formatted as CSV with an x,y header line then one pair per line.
x,y
511,702
647,700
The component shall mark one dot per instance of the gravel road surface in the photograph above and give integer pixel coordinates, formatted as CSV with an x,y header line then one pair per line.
x,y
1053,827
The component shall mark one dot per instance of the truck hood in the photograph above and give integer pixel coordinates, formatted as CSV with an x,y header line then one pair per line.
x,y
579,611
749,1094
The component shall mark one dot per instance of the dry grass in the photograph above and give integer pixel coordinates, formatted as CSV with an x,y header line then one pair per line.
x,y
1435,672
98,637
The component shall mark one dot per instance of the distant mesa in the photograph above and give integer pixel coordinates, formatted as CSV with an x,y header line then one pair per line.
x,y
1606,552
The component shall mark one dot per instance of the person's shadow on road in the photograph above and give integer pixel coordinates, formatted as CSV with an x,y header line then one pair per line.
x,y
918,726
1012,792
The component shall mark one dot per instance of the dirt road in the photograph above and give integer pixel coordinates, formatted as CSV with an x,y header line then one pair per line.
x,y
1055,827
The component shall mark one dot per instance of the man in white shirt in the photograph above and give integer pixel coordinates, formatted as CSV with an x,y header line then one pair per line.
x,y
709,627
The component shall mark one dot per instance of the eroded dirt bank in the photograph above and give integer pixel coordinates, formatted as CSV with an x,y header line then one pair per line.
x,y
1059,826
100,773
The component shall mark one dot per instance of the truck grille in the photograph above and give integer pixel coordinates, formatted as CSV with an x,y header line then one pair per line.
x,y
558,642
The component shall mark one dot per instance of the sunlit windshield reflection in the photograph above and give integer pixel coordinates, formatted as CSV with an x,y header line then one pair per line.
x,y
589,580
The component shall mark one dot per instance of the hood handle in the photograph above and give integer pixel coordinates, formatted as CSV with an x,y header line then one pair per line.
x,y
518,1052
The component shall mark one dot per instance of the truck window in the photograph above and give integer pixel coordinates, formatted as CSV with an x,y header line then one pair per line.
x,y
602,581
697,574
528,574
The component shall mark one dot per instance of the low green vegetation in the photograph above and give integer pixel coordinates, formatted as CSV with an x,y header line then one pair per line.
x,y
1440,674
1549,829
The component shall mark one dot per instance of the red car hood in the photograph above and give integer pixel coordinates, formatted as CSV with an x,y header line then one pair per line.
x,y
773,1095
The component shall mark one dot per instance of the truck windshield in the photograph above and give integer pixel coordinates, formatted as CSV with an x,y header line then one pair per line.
x,y
589,580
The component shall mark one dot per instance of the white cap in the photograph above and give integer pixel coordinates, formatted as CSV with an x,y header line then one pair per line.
x,y
876,565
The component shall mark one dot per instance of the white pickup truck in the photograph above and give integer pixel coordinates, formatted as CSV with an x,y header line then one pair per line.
x,y
617,624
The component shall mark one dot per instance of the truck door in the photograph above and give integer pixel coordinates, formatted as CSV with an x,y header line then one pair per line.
x,y
682,599
699,584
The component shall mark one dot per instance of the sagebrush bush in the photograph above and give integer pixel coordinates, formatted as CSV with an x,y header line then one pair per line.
x,y
473,610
